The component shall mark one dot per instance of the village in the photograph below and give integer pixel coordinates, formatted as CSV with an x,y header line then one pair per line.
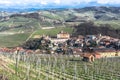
x,y
89,47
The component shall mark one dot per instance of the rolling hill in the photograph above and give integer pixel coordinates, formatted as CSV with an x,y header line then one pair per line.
x,y
15,24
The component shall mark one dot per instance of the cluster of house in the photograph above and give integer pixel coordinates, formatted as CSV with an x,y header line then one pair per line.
x,y
15,50
88,46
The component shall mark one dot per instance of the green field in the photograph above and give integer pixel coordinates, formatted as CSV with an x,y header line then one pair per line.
x,y
15,21
13,40
22,23
28,25
54,31
114,23
20,38
50,15
61,67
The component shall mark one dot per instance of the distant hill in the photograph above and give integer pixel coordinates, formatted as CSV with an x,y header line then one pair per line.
x,y
29,15
83,14
35,18
18,10
101,9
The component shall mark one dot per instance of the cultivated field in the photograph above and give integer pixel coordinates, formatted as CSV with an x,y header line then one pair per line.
x,y
58,67
114,23
54,31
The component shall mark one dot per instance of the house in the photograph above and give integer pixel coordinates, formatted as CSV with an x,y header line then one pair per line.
x,y
63,35
110,54
55,40
107,52
87,57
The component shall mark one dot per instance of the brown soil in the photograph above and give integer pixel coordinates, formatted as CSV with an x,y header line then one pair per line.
x,y
3,77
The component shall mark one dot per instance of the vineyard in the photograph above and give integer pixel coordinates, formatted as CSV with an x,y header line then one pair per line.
x,y
57,67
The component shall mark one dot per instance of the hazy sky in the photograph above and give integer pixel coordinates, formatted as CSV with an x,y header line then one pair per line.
x,y
27,3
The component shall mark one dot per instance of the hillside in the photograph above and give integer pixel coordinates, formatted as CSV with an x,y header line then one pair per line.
x,y
45,18
14,24
42,67
90,28
58,16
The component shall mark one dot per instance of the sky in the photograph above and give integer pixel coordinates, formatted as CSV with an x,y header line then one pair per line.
x,y
54,3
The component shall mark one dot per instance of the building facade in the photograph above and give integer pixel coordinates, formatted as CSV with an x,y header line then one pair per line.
x,y
63,35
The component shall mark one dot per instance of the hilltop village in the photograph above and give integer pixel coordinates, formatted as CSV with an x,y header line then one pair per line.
x,y
89,47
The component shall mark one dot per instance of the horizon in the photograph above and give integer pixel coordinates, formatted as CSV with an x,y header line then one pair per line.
x,y
33,9
40,4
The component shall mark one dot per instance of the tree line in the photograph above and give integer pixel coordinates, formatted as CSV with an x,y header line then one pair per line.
x,y
89,28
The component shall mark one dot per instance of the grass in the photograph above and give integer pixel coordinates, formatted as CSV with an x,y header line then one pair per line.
x,y
114,23
17,39
20,21
50,15
13,40
16,21
54,31
28,25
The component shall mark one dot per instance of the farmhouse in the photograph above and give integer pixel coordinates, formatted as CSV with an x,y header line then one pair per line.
x,y
87,57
